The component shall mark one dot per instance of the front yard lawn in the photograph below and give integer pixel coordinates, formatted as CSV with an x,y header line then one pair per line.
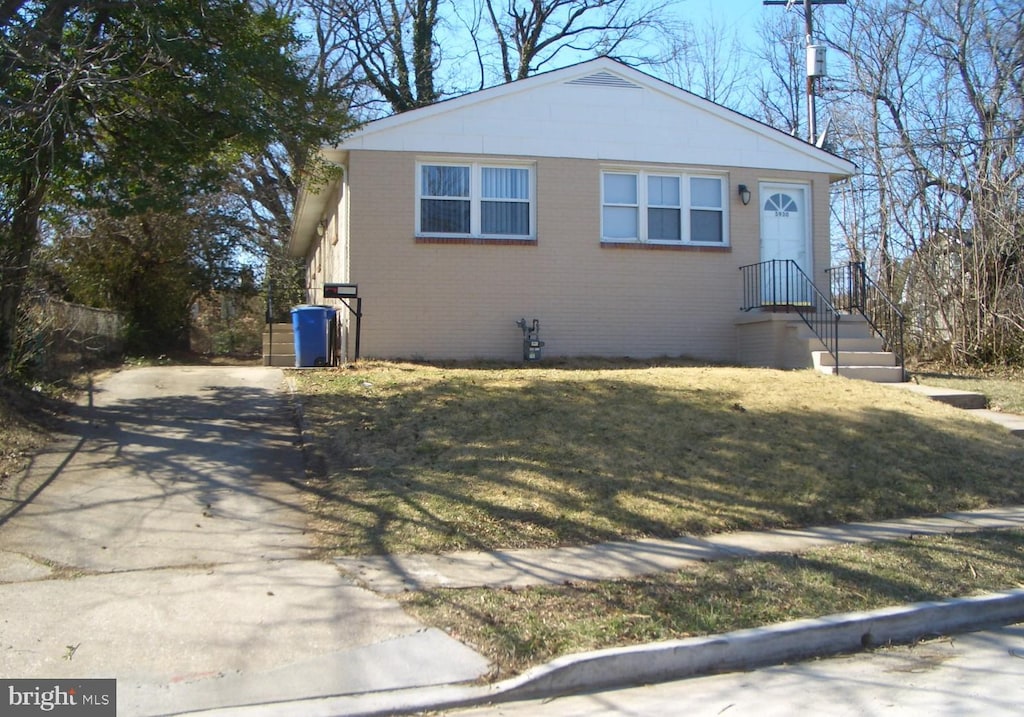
x,y
413,457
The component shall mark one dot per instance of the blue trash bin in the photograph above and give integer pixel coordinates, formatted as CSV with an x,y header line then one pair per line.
x,y
311,325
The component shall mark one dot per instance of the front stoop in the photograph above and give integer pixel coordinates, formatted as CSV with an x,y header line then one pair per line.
x,y
785,341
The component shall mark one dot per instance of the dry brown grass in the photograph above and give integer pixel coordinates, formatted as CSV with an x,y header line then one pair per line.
x,y
436,458
1003,386
517,629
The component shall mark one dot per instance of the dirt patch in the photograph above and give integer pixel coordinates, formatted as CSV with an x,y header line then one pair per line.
x,y
30,416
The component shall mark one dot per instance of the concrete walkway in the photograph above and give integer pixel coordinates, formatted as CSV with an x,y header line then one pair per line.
x,y
609,561
599,672
975,403
163,543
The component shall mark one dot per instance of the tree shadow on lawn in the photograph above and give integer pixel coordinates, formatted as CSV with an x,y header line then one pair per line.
x,y
211,471
520,628
465,463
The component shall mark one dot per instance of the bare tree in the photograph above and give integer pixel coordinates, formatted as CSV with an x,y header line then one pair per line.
x,y
934,111
709,61
531,34
412,53
391,42
780,95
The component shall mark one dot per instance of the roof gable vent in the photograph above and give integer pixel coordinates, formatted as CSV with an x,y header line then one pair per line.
x,y
604,79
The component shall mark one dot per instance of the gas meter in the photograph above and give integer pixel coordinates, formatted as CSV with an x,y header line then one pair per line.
x,y
532,344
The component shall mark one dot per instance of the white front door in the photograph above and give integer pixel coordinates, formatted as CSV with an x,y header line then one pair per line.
x,y
785,236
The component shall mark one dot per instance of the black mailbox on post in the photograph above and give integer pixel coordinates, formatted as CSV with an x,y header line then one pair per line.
x,y
341,291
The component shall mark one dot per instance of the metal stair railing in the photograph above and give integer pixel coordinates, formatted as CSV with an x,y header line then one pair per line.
x,y
853,290
780,284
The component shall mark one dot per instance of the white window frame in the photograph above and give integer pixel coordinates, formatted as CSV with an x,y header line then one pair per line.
x,y
637,207
686,205
476,198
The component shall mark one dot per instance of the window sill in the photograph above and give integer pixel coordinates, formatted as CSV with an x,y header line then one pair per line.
x,y
476,240
709,248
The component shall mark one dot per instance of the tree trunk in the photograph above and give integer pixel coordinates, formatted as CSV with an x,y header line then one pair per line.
x,y
16,247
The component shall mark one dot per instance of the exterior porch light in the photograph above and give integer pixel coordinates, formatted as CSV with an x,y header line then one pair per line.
x,y
321,227
744,194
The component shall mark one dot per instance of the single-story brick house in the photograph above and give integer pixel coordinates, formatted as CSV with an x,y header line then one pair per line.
x,y
612,207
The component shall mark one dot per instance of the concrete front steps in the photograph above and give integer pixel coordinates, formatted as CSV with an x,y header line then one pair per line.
x,y
861,355
278,345
875,366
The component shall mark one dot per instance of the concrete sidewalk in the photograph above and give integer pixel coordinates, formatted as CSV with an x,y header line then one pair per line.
x,y
609,561
164,543
604,670
671,660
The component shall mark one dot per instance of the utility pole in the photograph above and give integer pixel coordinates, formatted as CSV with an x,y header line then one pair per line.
x,y
815,59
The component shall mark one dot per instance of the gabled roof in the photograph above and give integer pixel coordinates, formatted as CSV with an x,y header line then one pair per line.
x,y
600,109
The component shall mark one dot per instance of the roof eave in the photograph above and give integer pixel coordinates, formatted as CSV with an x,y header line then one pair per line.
x,y
311,205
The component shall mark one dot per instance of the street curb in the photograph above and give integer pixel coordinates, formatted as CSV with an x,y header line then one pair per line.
x,y
769,645
679,659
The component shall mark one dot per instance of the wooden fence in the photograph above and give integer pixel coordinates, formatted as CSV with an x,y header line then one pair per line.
x,y
59,338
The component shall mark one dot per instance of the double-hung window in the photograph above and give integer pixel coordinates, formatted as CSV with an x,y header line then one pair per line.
x,y
444,199
621,213
662,208
707,217
475,200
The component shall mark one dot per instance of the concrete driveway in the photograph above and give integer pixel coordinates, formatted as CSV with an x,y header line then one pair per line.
x,y
163,543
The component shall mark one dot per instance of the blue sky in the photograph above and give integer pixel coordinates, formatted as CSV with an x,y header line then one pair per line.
x,y
740,12
742,15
